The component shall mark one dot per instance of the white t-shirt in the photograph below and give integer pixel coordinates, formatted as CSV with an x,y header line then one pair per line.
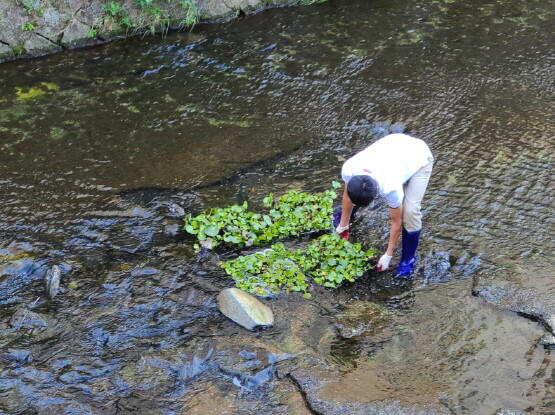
x,y
391,161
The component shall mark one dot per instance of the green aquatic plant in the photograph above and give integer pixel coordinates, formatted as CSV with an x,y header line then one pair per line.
x,y
329,260
36,91
287,215
218,123
267,272
232,225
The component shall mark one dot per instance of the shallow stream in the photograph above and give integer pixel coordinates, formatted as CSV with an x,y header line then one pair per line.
x,y
97,144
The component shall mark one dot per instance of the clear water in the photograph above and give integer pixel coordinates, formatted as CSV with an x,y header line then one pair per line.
x,y
95,144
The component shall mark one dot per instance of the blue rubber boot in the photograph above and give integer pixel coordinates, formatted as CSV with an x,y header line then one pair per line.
x,y
408,256
337,215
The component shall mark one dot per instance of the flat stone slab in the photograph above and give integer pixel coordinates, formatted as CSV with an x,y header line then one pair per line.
x,y
326,396
523,292
244,309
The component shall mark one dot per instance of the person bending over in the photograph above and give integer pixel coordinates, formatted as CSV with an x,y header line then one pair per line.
x,y
398,168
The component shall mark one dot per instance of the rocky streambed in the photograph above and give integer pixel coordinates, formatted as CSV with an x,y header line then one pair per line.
x,y
103,151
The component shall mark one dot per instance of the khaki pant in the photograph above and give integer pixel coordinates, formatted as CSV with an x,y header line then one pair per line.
x,y
414,190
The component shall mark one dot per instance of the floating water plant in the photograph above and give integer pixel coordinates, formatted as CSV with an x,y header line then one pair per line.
x,y
329,260
287,215
270,271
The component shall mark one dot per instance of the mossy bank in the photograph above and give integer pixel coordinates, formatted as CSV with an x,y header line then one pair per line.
x,y
30,28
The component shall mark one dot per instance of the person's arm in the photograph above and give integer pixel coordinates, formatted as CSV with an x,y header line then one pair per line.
x,y
396,216
346,209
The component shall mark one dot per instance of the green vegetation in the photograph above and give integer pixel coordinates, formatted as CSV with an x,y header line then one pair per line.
x,y
218,123
116,12
143,3
192,14
114,9
27,27
36,91
92,33
32,7
267,272
287,215
329,260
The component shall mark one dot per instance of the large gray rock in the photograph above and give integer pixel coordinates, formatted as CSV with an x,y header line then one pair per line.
x,y
244,309
5,50
37,44
75,33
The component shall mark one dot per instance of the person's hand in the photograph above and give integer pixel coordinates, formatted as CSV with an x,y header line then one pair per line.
x,y
383,263
343,231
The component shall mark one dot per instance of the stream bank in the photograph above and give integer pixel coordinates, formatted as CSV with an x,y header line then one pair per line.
x,y
30,28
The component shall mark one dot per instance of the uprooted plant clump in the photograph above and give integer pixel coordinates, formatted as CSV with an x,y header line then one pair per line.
x,y
328,260
287,215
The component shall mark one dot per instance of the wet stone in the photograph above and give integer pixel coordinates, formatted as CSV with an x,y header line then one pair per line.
x,y
520,294
505,411
547,341
247,355
244,309
436,267
275,358
312,383
37,44
359,318
25,318
175,211
52,281
143,272
5,50
75,33
16,357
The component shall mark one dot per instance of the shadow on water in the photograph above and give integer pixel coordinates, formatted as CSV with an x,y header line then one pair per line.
x,y
104,150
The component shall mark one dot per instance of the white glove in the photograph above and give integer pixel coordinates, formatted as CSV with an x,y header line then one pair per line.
x,y
340,229
383,263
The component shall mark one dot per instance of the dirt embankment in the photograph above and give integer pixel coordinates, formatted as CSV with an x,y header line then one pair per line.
x,y
36,27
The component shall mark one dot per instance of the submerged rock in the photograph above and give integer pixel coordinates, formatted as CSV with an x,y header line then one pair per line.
x,y
175,211
326,396
523,292
244,309
52,281
360,317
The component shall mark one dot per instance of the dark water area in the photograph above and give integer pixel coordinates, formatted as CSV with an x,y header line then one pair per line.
x,y
97,145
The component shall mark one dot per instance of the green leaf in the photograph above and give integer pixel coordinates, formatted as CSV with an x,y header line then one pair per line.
x,y
190,229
